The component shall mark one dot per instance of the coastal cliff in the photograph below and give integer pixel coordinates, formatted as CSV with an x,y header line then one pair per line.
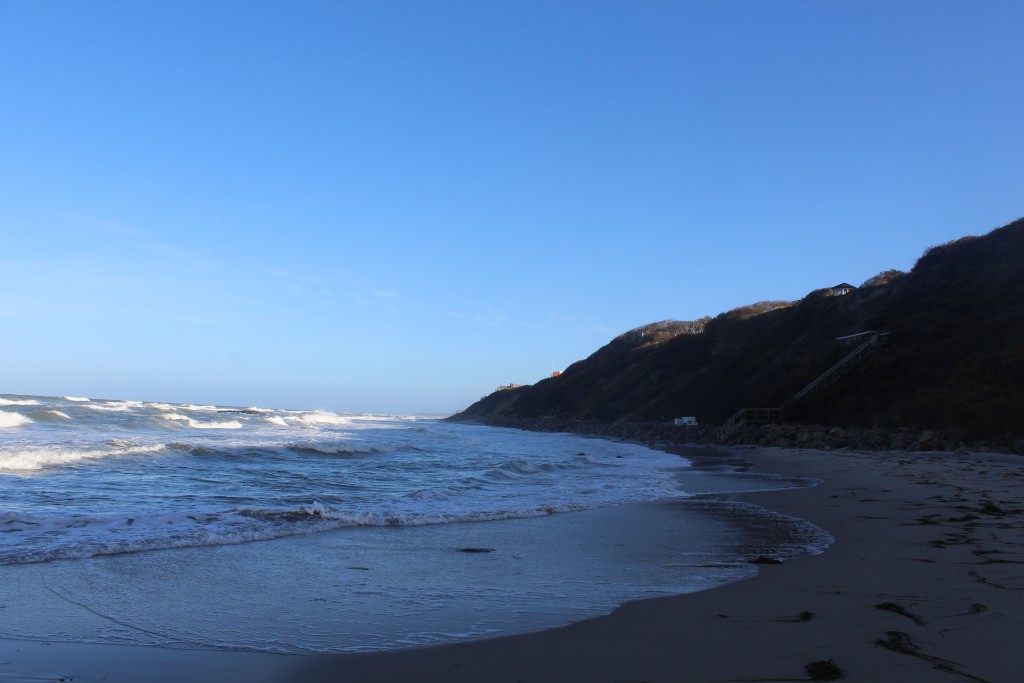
x,y
953,361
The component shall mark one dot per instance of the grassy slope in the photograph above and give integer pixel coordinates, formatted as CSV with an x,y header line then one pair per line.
x,y
956,357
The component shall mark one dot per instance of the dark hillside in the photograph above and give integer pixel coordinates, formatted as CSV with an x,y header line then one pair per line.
x,y
956,357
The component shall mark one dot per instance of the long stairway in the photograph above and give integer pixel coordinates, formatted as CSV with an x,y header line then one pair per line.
x,y
758,416
827,378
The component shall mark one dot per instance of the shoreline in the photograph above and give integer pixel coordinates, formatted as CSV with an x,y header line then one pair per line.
x,y
933,536
789,435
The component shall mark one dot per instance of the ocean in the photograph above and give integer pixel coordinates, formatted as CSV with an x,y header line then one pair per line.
x,y
312,531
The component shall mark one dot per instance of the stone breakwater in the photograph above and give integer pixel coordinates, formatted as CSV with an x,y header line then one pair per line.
x,y
787,435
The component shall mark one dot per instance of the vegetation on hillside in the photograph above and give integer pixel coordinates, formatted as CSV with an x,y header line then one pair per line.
x,y
956,357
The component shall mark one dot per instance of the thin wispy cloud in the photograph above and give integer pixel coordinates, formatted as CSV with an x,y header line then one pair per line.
x,y
143,241
107,225
183,257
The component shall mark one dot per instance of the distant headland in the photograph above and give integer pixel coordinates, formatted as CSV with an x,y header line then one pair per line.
x,y
932,359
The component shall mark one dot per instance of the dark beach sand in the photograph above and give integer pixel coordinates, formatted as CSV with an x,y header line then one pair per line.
x,y
934,539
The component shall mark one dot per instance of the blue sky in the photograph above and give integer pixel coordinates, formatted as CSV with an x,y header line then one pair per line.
x,y
396,206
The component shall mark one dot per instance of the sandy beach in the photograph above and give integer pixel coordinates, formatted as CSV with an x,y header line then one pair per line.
x,y
925,582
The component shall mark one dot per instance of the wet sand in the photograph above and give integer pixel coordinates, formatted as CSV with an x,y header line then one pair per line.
x,y
925,582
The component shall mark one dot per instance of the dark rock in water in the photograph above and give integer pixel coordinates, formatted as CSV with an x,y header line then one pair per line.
x,y
477,550
990,508
826,670
764,559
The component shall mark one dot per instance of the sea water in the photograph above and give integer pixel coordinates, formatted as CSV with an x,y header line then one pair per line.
x,y
303,531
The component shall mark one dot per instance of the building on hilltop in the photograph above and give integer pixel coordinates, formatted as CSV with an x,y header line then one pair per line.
x,y
841,289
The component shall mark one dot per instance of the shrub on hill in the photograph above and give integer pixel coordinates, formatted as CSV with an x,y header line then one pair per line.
x,y
956,357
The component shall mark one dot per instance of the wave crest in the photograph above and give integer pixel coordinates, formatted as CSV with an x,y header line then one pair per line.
x,y
10,420
115,406
51,416
175,419
30,459
322,417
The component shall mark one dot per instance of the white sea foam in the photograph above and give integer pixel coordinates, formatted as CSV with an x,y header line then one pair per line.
x,y
329,517
175,417
127,478
109,534
9,420
424,475
199,409
29,459
196,424
86,536
322,417
115,406
80,399
228,424
17,402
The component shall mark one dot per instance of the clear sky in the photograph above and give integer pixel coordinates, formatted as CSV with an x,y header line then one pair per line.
x,y
396,206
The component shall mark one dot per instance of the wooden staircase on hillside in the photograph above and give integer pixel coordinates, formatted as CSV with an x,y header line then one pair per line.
x,y
866,342
872,341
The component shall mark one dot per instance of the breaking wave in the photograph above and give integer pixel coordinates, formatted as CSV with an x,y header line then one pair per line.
x,y
51,416
115,406
29,459
118,533
257,469
177,419
339,449
321,417
9,420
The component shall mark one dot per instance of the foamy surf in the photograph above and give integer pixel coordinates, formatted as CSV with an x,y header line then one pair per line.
x,y
32,459
11,420
178,419
259,468
166,482
321,417
126,532
114,406
18,402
